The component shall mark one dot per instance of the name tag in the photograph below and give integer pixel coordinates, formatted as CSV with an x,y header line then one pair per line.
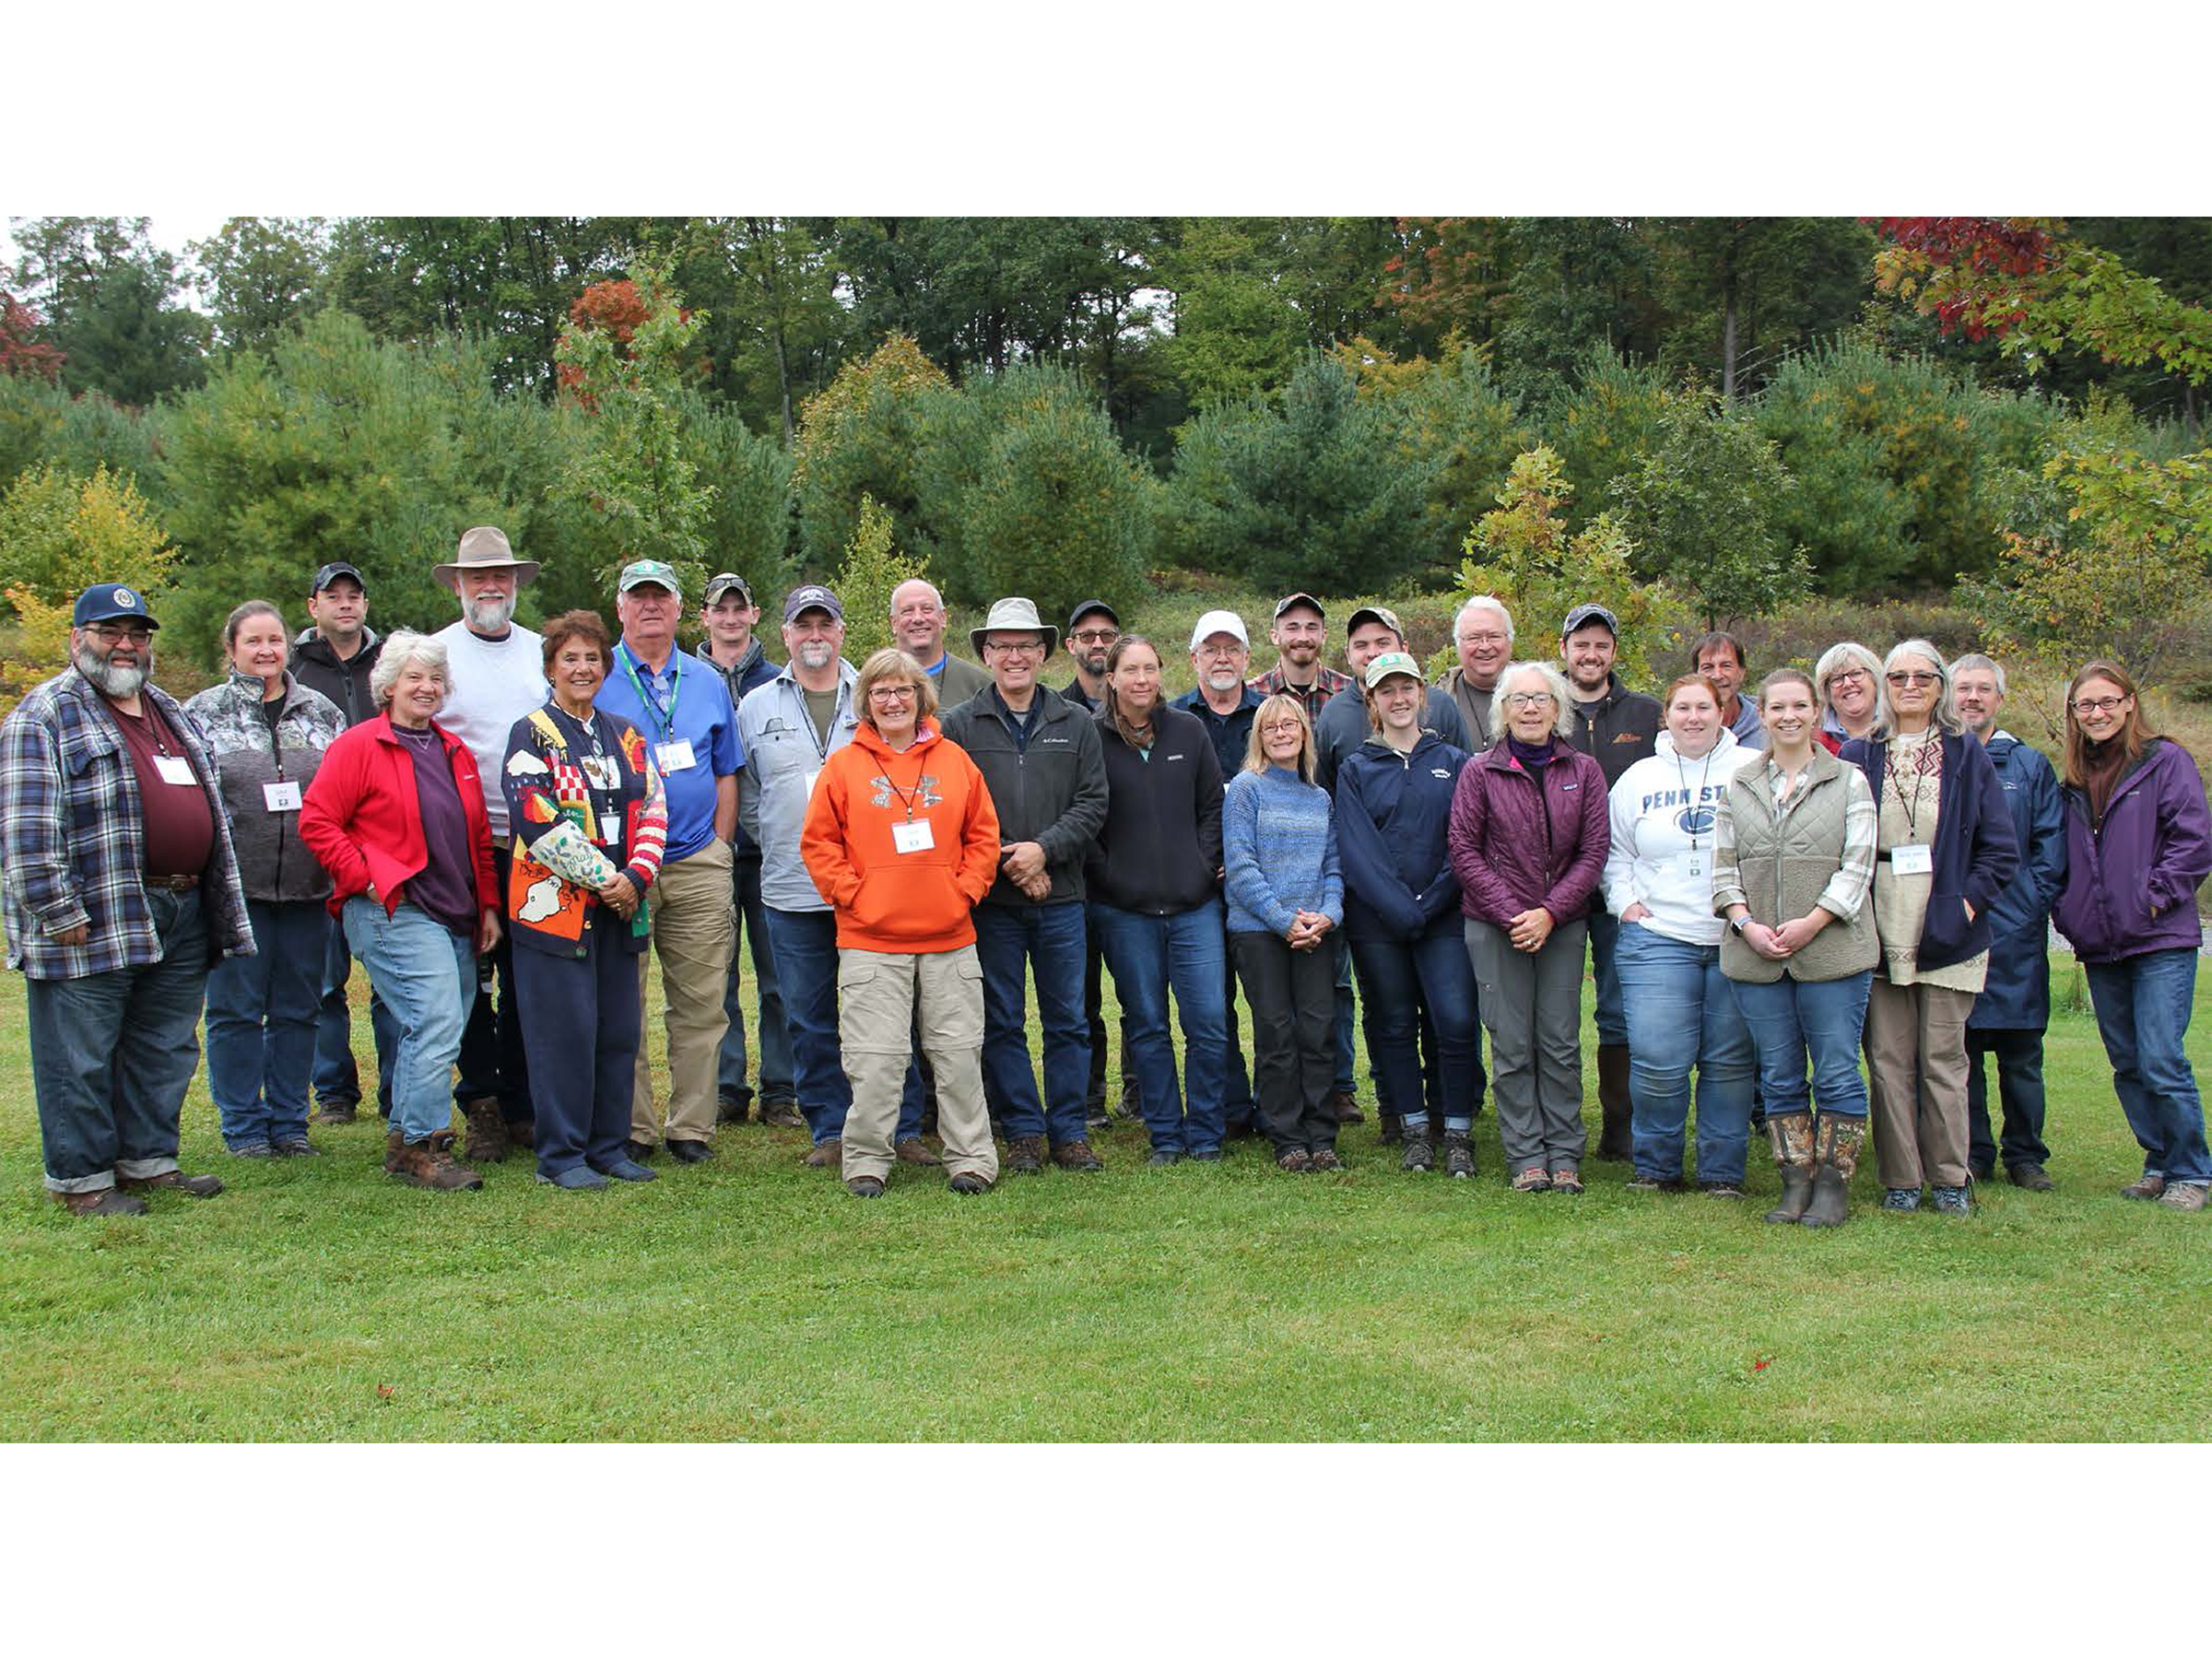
x,y
174,769
1912,859
281,797
1694,866
913,836
674,755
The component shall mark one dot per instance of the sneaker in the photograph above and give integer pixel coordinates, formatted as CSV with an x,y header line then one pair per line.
x,y
1130,1108
1951,1201
1657,1184
1567,1179
623,1169
1096,1118
1419,1156
335,1112
1293,1160
1459,1155
296,1145
1900,1198
865,1186
1323,1161
968,1184
1535,1179
2185,1195
1205,1154
1077,1154
2144,1186
1024,1155
829,1155
782,1114
575,1180
1720,1189
2030,1178
1167,1158
252,1150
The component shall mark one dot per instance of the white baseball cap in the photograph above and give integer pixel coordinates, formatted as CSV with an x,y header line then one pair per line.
x,y
1219,621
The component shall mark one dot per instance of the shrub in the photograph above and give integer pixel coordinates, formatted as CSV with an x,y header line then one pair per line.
x,y
870,573
59,533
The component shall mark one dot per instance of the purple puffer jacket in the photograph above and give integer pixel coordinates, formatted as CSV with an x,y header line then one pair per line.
x,y
2131,886
1511,855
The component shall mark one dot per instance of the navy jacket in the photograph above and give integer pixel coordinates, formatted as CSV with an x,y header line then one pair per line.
x,y
1343,727
1160,844
1393,813
1975,854
1231,732
2018,994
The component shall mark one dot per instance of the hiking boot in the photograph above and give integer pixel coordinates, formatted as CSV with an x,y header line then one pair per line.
x,y
865,1186
968,1184
1836,1144
1567,1179
2144,1186
107,1201
2185,1195
1459,1155
829,1155
1419,1156
431,1164
916,1151
394,1144
1325,1161
487,1131
2030,1178
176,1181
521,1134
732,1109
1293,1160
335,1112
1720,1189
1791,1138
1951,1201
782,1114
252,1150
1165,1157
1660,1184
1900,1198
1614,1143
1345,1105
1024,1155
296,1145
1077,1154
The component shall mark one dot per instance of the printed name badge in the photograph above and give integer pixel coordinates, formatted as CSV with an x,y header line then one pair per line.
x,y
674,755
282,797
1695,864
1912,859
913,836
174,769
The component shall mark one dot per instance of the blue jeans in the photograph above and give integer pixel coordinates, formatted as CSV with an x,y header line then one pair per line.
x,y
805,944
112,1054
1612,1022
2143,1005
1049,939
775,1031
261,1022
338,1078
1397,981
1681,1012
1792,1017
1149,956
427,973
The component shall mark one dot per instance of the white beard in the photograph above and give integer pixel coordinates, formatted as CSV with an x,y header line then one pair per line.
x,y
489,616
111,680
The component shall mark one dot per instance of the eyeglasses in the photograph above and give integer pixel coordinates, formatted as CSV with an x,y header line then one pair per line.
x,y
1222,650
1482,639
1096,636
1016,647
1913,677
107,633
892,694
1282,728
1849,677
2097,705
1526,699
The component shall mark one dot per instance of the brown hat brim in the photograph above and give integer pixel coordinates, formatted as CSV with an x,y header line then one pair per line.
x,y
525,569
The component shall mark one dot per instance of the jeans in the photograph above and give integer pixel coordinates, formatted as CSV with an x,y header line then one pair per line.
x,y
1682,1012
427,973
1612,1021
805,943
2019,1096
2143,1005
775,1031
1397,980
1151,955
261,1022
582,1025
494,1066
1790,1017
112,1054
337,1079
1049,937
1346,1009
1293,998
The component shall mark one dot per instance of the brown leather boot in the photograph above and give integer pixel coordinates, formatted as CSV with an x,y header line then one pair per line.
x,y
1614,1142
1793,1138
107,1201
394,1144
487,1131
431,1164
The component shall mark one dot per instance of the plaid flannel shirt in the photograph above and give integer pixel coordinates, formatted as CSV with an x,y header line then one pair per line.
x,y
73,837
1327,682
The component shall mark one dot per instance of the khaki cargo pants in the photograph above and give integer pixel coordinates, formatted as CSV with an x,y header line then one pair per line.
x,y
879,996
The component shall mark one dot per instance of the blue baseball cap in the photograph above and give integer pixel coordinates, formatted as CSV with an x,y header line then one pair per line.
x,y
111,602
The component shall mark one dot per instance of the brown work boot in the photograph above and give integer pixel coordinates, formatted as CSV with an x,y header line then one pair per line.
x,y
431,1164
1024,1155
487,1131
916,1151
829,1155
521,1134
1077,1155
394,1144
1345,1105
1614,1142
335,1112
782,1114
107,1201
173,1181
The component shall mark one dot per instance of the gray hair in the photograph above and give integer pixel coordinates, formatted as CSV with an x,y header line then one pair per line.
x,y
1488,602
1944,717
1554,681
403,649
1974,659
1837,658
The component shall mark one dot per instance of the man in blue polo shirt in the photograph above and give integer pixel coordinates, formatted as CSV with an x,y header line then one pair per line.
x,y
681,707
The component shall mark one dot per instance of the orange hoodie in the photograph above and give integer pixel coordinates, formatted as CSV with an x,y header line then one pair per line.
x,y
888,901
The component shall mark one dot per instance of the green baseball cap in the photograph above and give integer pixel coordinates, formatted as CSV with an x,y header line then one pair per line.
x,y
657,572
1390,663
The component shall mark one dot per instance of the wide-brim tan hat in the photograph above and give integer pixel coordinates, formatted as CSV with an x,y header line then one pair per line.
x,y
1014,615
485,549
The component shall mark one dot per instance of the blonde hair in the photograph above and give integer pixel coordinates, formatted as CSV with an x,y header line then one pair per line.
x,y
1256,752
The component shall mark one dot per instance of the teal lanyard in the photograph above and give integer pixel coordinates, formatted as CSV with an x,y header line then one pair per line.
x,y
630,667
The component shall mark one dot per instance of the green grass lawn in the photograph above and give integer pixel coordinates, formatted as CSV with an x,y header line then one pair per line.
x,y
748,1299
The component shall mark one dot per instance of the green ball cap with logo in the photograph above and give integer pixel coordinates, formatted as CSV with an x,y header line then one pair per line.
x,y
655,570
1390,663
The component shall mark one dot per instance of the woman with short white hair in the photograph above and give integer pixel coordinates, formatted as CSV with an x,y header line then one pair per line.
x,y
1528,839
1848,681
396,816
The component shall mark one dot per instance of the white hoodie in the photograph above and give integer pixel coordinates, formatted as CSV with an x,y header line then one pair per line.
x,y
1662,812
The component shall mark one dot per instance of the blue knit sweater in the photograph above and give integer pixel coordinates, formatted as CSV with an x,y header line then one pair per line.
x,y
1280,847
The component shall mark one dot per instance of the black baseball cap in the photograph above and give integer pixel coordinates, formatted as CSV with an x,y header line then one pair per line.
x,y
813,596
1581,616
1084,609
330,574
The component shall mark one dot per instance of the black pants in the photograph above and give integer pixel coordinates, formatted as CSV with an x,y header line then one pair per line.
x,y
493,1062
1292,995
2020,1095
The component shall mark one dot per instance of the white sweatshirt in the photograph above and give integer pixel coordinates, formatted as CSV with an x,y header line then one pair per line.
x,y
1663,811
496,682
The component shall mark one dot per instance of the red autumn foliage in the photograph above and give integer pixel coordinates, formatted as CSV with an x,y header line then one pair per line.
x,y
19,354
1986,258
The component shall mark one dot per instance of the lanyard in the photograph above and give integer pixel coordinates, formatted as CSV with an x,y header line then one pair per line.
x,y
1682,783
906,799
1920,770
675,669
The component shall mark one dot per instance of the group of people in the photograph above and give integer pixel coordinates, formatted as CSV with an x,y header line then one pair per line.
x,y
506,828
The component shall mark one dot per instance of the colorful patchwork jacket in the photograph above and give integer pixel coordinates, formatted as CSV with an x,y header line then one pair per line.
x,y
585,801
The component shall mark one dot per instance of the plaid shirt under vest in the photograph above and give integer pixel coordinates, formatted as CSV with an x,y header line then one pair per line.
x,y
1327,682
73,837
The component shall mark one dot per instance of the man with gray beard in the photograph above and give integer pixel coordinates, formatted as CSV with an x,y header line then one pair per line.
x,y
120,889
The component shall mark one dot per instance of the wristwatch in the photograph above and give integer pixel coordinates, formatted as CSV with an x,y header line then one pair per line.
x,y
1738,922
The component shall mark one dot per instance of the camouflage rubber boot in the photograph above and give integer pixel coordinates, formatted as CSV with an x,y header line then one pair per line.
x,y
1792,1139
1836,1159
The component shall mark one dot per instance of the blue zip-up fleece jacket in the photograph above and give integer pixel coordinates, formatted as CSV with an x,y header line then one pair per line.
x,y
1281,849
1393,813
2017,997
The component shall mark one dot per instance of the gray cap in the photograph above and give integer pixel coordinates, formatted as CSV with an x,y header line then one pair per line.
x,y
813,596
1581,616
1015,615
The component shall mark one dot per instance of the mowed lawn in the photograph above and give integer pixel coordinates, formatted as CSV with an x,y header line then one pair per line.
x,y
748,1299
